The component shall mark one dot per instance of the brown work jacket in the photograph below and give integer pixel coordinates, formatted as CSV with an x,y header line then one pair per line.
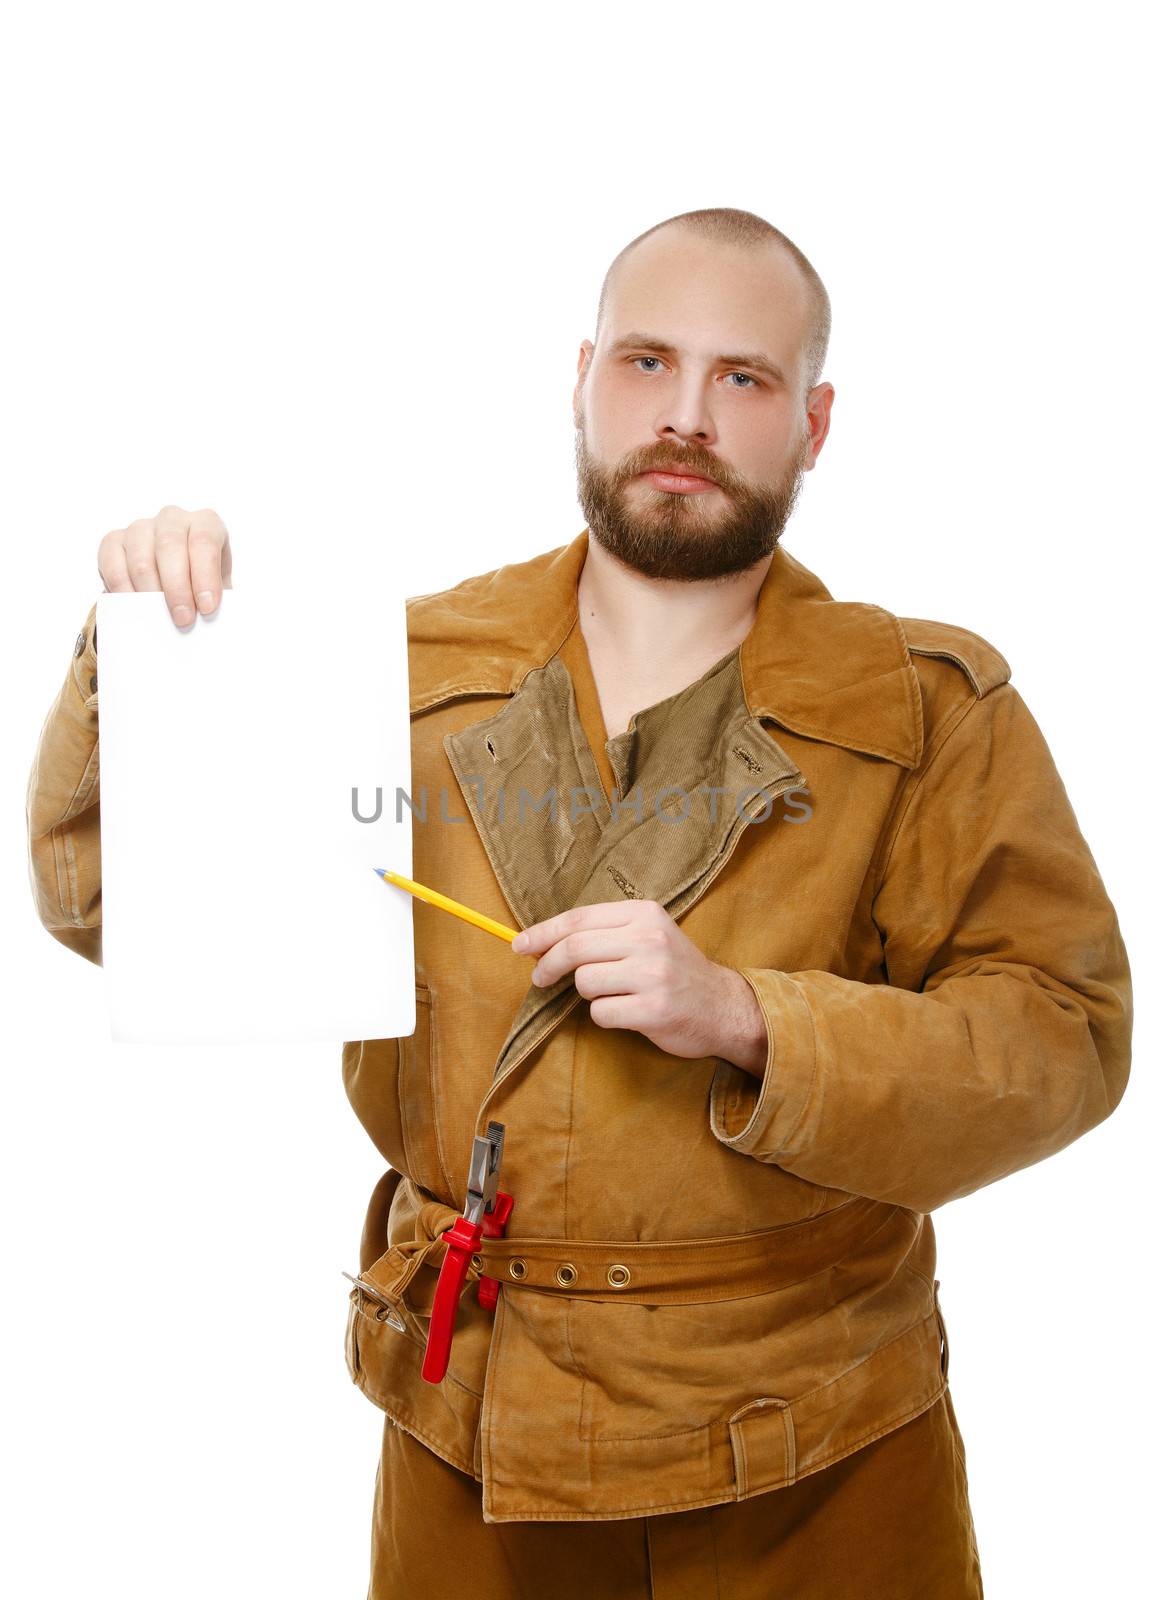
x,y
714,1282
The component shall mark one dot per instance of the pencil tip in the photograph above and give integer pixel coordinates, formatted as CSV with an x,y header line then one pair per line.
x,y
380,872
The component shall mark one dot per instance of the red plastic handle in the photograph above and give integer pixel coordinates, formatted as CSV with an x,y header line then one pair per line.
x,y
493,1227
462,1241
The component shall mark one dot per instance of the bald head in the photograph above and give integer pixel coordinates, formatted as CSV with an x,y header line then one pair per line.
x,y
744,230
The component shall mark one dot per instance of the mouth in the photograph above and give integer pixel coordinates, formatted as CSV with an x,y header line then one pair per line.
x,y
676,481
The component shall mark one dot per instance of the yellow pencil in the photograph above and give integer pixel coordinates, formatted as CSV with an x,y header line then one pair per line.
x,y
446,904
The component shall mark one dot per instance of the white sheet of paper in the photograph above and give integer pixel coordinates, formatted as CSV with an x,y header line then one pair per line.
x,y
239,900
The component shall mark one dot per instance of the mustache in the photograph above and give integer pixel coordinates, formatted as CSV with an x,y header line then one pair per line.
x,y
696,463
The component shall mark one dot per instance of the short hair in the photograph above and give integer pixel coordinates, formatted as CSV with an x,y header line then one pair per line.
x,y
744,228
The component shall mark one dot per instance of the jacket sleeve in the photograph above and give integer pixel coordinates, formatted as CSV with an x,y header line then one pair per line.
x,y
63,808
1003,1029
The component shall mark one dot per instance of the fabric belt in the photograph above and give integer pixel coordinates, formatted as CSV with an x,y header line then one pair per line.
x,y
655,1272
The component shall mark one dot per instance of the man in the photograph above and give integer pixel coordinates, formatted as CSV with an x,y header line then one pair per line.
x,y
815,945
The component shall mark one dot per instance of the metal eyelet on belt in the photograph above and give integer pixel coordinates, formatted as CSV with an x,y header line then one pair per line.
x,y
618,1276
477,1261
566,1273
517,1268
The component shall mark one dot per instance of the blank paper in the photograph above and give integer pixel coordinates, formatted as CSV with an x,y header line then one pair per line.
x,y
239,897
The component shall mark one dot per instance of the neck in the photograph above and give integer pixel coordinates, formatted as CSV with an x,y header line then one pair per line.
x,y
662,619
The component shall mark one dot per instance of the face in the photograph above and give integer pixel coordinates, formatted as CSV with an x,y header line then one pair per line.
x,y
663,390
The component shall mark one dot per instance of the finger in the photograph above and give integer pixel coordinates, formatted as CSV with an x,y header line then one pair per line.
x,y
112,564
616,1011
589,944
208,543
172,554
592,979
605,914
140,554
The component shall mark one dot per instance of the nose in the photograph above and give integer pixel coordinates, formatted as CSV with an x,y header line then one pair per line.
x,y
685,416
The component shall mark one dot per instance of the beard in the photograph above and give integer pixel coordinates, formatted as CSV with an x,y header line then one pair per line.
x,y
663,534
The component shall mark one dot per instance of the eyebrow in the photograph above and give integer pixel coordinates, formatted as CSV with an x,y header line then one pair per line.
x,y
661,347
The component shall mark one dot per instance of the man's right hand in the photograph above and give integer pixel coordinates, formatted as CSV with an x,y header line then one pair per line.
x,y
185,553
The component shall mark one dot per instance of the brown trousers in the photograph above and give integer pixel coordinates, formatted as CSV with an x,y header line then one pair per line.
x,y
890,1522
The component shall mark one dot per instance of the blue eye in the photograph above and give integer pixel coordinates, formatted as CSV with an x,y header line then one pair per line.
x,y
747,383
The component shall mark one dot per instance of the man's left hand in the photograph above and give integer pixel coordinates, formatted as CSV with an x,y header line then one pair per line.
x,y
638,969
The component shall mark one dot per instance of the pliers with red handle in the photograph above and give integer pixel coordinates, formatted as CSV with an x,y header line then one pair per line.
x,y
486,1214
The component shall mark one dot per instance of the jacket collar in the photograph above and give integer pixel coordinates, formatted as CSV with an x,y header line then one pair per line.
x,y
834,670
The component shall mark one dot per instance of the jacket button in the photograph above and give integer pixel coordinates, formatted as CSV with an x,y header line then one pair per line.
x,y
81,641
618,1276
517,1268
566,1273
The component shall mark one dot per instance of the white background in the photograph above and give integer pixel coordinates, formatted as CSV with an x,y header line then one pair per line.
x,y
337,259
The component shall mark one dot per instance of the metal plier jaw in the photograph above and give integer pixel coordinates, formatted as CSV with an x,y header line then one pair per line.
x,y
485,1216
485,1165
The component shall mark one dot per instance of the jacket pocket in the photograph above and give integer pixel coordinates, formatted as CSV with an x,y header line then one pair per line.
x,y
362,1305
358,1338
418,1092
763,1442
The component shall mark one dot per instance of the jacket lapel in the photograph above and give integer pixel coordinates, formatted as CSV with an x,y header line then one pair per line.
x,y
695,770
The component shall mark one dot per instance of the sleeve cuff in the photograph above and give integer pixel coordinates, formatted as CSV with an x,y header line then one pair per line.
x,y
758,1117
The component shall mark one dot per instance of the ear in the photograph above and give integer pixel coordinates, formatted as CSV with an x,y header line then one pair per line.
x,y
819,403
585,355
